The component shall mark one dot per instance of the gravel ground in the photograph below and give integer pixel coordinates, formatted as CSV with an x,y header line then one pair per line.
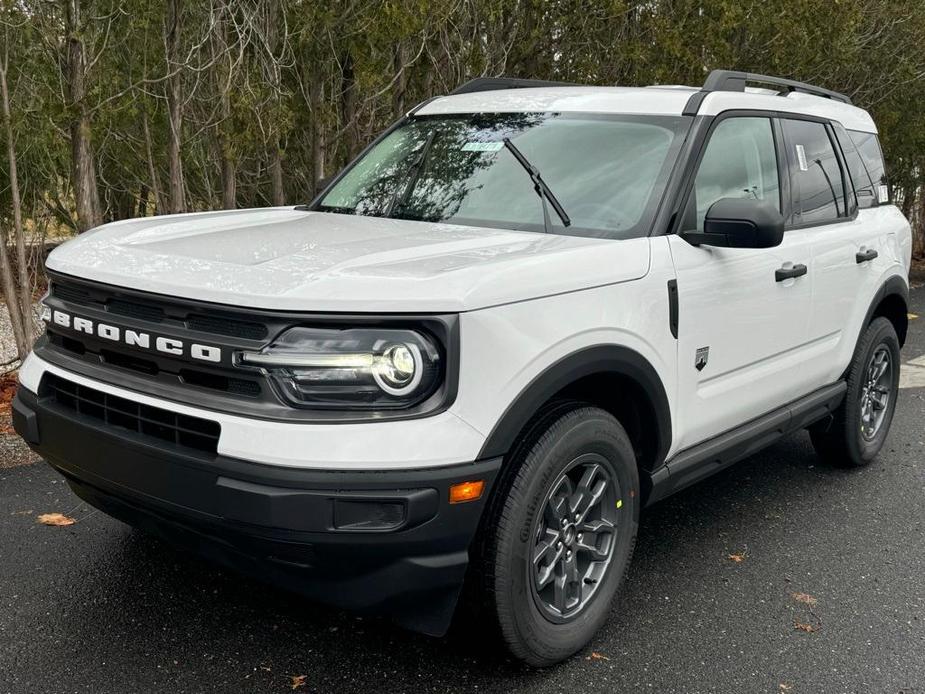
x,y
14,452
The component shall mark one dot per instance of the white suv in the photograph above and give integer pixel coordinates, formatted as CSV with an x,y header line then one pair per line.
x,y
523,314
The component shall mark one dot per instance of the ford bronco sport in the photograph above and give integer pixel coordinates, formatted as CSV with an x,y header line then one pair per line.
x,y
524,313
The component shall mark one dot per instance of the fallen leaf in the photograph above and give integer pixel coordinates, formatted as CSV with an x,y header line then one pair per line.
x,y
737,558
298,681
802,626
784,687
599,656
805,598
911,316
55,519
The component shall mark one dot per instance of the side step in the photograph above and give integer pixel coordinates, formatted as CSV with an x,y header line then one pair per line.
x,y
707,458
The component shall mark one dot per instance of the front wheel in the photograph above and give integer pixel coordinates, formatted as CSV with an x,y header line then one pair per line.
x,y
858,430
562,535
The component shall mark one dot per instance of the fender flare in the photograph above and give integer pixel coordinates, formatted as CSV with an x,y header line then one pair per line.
x,y
895,285
612,359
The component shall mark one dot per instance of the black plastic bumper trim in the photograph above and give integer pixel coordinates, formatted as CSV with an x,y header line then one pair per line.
x,y
405,554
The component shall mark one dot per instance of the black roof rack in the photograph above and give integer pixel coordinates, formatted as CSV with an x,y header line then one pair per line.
x,y
490,84
732,81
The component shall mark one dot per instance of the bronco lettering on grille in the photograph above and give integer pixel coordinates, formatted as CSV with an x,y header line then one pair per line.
x,y
133,338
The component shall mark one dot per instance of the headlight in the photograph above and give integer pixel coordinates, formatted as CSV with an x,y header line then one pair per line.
x,y
355,368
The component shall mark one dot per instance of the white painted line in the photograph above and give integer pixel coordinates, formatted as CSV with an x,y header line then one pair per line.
x,y
912,375
918,361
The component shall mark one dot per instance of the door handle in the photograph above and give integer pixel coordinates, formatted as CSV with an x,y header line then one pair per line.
x,y
788,273
864,256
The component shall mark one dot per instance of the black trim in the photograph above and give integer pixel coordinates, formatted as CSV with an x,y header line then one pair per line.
x,y
381,541
673,308
692,107
733,81
602,359
894,286
707,458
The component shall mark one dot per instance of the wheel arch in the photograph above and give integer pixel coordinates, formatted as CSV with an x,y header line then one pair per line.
x,y
891,302
615,378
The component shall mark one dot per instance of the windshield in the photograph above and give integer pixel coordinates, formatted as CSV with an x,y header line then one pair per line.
x,y
607,172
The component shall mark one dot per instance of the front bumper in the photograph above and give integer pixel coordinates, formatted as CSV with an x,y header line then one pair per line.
x,y
388,542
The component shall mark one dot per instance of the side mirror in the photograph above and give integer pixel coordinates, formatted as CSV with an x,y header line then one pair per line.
x,y
739,223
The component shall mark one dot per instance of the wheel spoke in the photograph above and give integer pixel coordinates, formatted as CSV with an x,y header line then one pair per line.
x,y
588,494
593,550
561,593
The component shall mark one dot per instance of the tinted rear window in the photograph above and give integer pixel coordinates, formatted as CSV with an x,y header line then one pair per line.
x,y
815,175
868,145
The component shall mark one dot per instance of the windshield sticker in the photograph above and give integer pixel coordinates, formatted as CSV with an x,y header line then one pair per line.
x,y
482,146
801,157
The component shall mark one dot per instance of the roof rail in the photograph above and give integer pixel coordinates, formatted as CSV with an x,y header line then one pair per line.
x,y
489,84
732,81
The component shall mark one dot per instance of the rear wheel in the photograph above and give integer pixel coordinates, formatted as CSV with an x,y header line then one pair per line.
x,y
562,535
856,433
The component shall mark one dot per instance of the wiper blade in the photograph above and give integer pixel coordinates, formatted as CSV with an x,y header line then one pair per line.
x,y
539,185
414,172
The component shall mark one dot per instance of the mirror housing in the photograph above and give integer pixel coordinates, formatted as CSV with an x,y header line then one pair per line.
x,y
739,223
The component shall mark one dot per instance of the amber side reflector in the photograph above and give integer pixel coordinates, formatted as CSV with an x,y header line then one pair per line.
x,y
466,491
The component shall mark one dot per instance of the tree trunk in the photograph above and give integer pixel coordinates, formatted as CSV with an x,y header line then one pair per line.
x,y
18,303
229,182
177,188
86,194
159,205
401,83
348,104
276,176
316,98
276,146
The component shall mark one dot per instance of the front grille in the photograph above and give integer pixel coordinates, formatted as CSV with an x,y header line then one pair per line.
x,y
134,309
227,326
121,414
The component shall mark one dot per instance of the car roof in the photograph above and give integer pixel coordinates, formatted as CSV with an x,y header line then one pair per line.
x,y
655,100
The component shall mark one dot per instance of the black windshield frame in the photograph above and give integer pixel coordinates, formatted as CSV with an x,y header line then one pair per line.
x,y
677,124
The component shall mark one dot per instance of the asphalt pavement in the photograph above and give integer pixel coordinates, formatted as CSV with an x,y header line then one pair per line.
x,y
778,575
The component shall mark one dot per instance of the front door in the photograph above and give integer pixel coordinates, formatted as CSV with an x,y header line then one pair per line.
x,y
743,329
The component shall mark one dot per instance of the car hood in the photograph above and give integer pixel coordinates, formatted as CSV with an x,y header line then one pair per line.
x,y
290,259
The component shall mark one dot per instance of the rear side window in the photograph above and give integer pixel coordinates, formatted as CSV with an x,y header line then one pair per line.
x,y
816,184
868,145
864,188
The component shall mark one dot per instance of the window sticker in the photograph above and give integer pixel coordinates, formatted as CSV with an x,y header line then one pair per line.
x,y
482,146
801,157
883,193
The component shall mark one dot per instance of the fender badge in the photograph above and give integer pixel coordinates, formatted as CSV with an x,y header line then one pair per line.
x,y
701,358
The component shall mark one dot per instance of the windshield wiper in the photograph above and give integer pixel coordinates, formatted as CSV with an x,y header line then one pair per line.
x,y
414,172
539,185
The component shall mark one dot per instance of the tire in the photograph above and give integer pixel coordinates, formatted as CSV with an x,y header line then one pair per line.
x,y
855,434
579,443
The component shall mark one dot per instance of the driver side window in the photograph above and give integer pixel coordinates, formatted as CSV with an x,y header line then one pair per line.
x,y
740,161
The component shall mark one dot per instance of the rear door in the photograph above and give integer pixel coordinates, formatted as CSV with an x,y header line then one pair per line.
x,y
742,334
847,244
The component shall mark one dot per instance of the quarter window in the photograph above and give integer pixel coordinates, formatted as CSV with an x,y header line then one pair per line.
x,y
740,161
815,175
865,191
869,148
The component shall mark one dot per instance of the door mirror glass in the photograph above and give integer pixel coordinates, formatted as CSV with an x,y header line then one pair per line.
x,y
739,223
